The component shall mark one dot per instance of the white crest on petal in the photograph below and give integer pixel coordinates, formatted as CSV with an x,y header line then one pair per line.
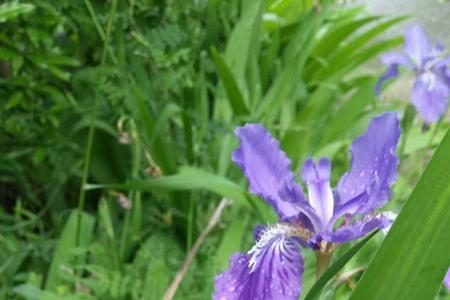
x,y
281,231
390,215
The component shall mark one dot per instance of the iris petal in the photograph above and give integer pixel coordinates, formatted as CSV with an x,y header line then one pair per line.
x,y
271,270
447,280
317,178
373,167
267,169
359,228
430,96
417,45
392,60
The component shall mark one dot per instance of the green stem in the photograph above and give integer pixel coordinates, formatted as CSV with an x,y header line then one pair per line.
x,y
190,221
137,154
433,134
406,124
322,262
90,137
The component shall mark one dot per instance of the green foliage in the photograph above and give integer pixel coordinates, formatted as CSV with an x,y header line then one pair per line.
x,y
163,84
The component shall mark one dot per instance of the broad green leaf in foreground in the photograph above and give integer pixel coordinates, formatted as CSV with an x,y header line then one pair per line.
x,y
414,257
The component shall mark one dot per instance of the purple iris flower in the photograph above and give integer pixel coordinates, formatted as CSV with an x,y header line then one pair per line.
x,y
431,88
273,267
447,280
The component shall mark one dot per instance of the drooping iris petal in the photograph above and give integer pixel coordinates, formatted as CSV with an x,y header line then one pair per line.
x,y
392,60
272,270
267,169
396,58
430,96
359,228
373,167
416,45
447,280
320,196
391,72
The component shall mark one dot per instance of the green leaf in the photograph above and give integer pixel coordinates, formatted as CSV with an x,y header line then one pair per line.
x,y
160,148
335,36
345,53
66,244
105,218
244,43
230,243
414,257
28,291
337,124
187,179
9,11
232,90
294,57
156,263
339,68
315,290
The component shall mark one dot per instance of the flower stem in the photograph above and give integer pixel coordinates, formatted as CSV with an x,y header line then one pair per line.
x,y
91,132
322,262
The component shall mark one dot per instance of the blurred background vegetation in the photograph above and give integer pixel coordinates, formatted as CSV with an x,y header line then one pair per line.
x,y
116,131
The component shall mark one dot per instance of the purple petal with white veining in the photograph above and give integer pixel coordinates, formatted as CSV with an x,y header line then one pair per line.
x,y
258,231
373,167
416,45
430,96
359,228
267,169
447,280
320,196
272,270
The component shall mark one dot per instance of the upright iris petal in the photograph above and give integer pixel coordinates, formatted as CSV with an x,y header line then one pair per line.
x,y
416,45
373,166
267,169
317,178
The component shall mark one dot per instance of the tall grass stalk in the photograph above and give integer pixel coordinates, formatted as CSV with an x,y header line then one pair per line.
x,y
90,137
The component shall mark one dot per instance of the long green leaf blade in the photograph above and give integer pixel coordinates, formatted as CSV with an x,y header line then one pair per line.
x,y
187,179
232,90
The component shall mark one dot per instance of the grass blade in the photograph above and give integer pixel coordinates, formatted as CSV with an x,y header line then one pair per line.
x,y
187,179
232,90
